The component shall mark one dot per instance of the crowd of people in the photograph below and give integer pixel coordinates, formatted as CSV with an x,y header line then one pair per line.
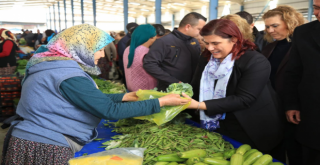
x,y
257,87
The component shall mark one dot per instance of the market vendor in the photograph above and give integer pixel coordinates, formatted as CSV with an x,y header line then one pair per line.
x,y
60,103
8,48
231,81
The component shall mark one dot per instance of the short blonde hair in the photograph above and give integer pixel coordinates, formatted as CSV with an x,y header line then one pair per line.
x,y
290,16
242,24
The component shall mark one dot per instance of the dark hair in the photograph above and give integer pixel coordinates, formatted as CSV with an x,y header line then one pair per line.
x,y
245,15
122,33
49,32
227,29
192,19
132,30
131,26
159,29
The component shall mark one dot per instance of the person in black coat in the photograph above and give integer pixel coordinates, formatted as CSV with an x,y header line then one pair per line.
x,y
280,23
258,35
252,116
173,58
302,79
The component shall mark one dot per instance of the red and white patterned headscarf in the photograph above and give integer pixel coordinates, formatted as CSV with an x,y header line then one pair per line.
x,y
7,35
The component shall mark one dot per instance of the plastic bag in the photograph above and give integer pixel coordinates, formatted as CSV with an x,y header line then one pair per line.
x,y
118,156
166,114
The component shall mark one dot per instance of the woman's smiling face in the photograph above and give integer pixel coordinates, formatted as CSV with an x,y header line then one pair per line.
x,y
219,47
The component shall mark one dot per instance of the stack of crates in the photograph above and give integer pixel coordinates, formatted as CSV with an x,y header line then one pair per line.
x,y
10,89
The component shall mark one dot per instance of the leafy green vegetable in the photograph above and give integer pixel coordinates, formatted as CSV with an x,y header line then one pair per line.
x,y
109,87
167,113
16,101
22,64
179,88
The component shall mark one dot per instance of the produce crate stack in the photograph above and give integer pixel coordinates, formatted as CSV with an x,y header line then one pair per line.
x,y
10,89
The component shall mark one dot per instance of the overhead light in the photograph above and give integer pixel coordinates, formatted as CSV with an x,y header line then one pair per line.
x,y
107,5
273,4
18,5
132,12
118,6
112,9
161,7
204,10
180,4
118,2
182,12
172,6
144,10
109,0
134,3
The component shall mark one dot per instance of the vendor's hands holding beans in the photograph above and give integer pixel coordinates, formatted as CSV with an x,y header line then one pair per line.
x,y
172,100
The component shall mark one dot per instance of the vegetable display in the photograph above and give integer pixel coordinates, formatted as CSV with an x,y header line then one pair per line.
x,y
167,142
182,144
109,87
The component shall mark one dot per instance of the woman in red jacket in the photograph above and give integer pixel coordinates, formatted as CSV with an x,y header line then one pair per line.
x,y
8,48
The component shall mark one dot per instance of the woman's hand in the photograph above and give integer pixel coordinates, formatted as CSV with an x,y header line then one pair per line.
x,y
195,104
172,100
132,96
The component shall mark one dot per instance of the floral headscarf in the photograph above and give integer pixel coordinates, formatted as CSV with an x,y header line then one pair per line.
x,y
78,43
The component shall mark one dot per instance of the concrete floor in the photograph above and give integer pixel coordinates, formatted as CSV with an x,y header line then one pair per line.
x,y
3,133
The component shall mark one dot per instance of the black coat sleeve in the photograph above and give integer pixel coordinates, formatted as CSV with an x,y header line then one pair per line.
x,y
121,48
293,76
153,60
254,77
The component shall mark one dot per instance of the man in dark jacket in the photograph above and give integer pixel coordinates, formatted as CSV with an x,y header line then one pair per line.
x,y
258,35
302,79
122,45
174,57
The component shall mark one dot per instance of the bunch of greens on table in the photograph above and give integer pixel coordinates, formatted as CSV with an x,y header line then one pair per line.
x,y
21,68
109,87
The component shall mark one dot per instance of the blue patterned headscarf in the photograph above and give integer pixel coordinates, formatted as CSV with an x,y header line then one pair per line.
x,y
139,36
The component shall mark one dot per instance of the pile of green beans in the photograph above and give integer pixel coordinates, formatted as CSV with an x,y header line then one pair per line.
x,y
168,138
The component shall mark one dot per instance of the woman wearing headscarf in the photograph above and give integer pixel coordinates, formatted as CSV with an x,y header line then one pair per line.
x,y
231,81
280,23
60,103
137,78
8,48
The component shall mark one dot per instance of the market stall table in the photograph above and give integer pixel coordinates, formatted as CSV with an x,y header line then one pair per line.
x,y
105,133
